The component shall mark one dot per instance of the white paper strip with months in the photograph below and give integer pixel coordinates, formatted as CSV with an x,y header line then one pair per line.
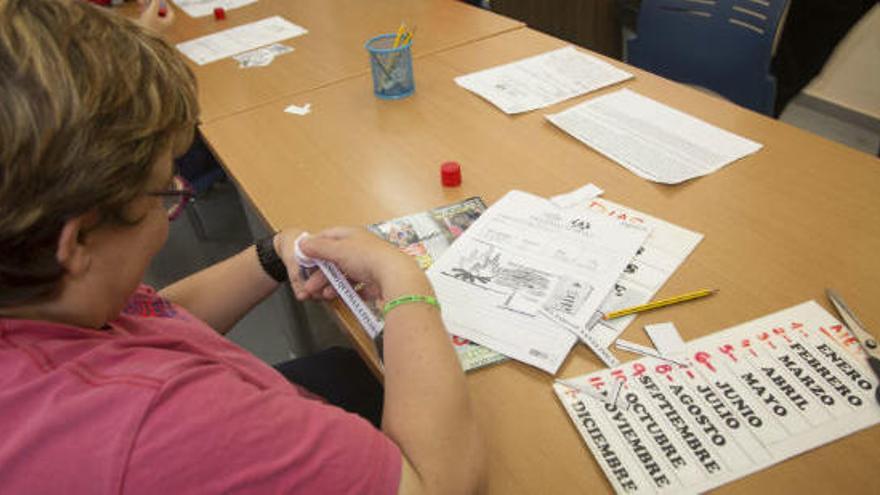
x,y
752,396
343,287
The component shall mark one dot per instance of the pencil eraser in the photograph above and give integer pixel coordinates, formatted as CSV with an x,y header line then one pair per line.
x,y
301,259
219,13
450,174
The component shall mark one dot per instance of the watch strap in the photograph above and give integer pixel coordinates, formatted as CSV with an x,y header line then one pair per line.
x,y
269,259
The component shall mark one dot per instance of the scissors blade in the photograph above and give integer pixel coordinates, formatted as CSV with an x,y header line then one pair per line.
x,y
868,342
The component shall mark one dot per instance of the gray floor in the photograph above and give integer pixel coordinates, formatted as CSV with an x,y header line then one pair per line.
x,y
804,113
269,330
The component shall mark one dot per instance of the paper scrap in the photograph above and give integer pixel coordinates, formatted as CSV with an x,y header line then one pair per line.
x,y
652,140
579,197
202,8
261,57
239,39
666,339
628,346
297,110
542,80
526,275
608,397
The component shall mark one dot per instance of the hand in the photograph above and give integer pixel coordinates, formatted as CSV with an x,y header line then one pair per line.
x,y
285,247
150,17
367,259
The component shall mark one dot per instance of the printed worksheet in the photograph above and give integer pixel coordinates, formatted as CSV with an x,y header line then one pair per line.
x,y
201,8
527,274
652,140
542,80
239,39
746,398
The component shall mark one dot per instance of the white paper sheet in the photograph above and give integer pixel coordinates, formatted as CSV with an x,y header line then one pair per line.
x,y
201,8
752,396
542,80
652,140
261,57
666,339
239,39
526,273
577,198
663,252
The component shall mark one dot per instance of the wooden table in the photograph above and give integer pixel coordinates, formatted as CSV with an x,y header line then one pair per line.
x,y
780,226
332,50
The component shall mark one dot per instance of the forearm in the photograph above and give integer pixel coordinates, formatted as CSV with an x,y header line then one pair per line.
x,y
427,407
223,293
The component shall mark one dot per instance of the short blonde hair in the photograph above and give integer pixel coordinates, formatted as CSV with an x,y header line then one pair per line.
x,y
88,102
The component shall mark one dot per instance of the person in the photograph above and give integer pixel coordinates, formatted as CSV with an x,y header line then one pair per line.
x,y
156,15
108,386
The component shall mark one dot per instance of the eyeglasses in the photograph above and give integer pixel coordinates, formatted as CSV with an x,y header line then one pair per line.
x,y
175,198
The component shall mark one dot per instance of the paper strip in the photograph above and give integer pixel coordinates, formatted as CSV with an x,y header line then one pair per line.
x,y
666,339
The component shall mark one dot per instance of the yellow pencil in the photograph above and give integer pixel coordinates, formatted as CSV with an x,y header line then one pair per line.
x,y
400,31
408,36
660,303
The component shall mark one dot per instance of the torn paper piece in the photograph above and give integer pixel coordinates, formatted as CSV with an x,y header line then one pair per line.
x,y
625,345
666,339
261,57
295,110
578,197
611,397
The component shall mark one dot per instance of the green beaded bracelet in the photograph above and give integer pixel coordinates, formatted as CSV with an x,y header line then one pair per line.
x,y
409,299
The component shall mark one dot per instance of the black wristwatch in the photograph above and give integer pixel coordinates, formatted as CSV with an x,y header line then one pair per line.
x,y
270,261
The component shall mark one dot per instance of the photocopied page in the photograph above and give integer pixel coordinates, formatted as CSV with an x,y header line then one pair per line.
x,y
744,399
239,39
526,274
665,249
202,8
542,80
652,140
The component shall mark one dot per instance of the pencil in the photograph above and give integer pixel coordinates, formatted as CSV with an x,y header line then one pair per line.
x,y
660,303
408,36
400,31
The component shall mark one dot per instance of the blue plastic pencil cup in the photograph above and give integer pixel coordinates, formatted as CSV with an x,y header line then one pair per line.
x,y
391,67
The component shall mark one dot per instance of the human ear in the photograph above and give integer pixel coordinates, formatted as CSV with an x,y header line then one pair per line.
x,y
72,253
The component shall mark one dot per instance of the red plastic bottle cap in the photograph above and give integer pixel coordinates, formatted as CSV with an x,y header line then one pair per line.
x,y
219,13
450,174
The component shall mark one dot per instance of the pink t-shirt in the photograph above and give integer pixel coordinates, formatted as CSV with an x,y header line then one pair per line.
x,y
161,404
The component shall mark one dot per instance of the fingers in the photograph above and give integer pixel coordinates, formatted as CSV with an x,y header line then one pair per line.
x,y
327,244
338,232
316,283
